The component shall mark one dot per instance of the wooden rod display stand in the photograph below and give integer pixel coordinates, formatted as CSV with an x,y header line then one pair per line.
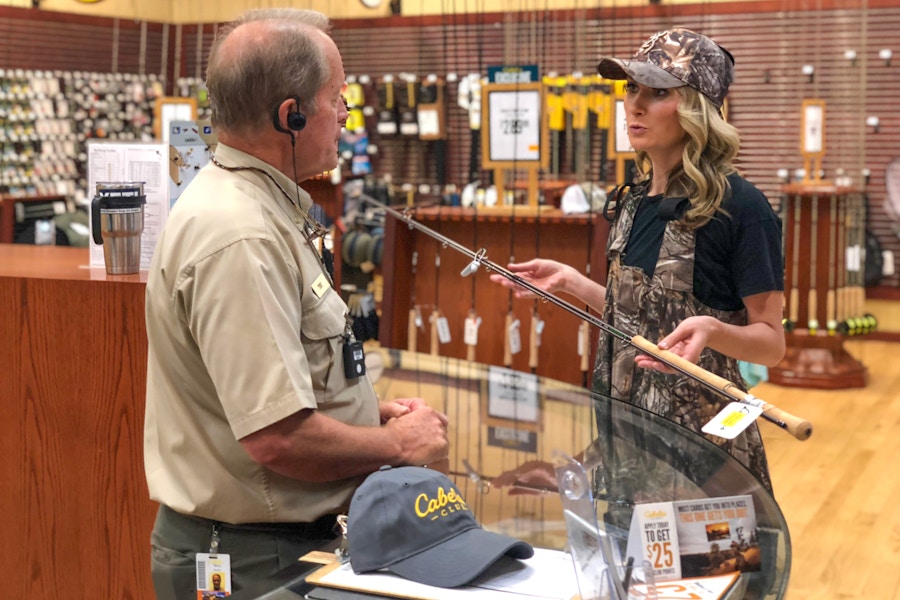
x,y
821,292
563,238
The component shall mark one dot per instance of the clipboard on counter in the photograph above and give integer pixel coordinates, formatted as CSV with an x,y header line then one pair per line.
x,y
548,575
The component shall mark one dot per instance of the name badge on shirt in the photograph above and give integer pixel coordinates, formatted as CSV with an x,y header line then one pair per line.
x,y
320,285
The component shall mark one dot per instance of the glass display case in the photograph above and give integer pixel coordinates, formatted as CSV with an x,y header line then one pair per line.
x,y
514,434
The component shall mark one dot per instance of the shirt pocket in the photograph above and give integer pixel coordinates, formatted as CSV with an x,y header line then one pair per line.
x,y
322,325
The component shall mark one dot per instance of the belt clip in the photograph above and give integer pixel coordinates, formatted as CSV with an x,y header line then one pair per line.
x,y
214,540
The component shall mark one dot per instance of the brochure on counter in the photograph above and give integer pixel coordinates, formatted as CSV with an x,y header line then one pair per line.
x,y
698,588
696,538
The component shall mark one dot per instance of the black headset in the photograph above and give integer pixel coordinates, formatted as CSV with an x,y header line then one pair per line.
x,y
296,120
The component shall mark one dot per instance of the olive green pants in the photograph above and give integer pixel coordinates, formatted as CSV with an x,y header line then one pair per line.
x,y
257,551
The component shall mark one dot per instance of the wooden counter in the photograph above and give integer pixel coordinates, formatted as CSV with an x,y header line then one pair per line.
x,y
75,515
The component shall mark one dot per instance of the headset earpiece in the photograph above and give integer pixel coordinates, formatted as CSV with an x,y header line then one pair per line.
x,y
296,120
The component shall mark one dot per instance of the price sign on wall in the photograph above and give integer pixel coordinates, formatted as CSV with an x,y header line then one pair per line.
x,y
515,129
812,129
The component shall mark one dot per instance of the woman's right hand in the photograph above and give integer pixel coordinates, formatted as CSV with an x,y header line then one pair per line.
x,y
546,275
532,478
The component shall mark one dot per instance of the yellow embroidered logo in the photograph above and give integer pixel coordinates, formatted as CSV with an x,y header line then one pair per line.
x,y
445,504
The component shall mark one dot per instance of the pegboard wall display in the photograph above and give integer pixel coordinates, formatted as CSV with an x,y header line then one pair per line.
x,y
46,119
786,52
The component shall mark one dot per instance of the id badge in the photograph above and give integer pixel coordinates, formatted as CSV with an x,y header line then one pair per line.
x,y
213,576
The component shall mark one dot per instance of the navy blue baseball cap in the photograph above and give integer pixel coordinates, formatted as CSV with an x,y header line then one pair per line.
x,y
413,522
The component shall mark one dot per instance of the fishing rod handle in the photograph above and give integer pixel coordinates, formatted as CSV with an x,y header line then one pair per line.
x,y
797,427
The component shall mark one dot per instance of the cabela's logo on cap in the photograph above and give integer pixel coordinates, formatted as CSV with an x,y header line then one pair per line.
x,y
441,505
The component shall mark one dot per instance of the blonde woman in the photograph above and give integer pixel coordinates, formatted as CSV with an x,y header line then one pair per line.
x,y
694,250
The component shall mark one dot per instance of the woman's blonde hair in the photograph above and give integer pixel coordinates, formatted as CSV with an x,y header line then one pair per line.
x,y
707,160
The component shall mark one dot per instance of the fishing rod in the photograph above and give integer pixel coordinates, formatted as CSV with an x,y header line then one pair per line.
x,y
799,428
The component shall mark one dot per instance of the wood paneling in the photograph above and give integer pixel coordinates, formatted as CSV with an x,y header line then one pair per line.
x,y
33,39
75,514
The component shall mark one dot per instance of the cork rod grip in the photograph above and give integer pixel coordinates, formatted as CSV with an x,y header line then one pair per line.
x,y
470,348
435,341
585,340
813,302
533,342
830,313
411,333
797,427
794,313
507,351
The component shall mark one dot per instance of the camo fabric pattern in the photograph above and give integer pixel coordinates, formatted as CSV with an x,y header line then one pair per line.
x,y
689,57
651,308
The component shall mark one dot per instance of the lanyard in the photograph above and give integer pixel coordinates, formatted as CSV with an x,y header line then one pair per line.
x,y
311,229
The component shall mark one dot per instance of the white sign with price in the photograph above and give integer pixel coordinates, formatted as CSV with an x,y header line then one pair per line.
x,y
515,125
512,394
657,538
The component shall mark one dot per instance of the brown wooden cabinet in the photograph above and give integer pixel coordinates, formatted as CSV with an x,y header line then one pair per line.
x,y
75,515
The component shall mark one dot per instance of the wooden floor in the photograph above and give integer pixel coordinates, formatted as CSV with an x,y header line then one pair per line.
x,y
840,490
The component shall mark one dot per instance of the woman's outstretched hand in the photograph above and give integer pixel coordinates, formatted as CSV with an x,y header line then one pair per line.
x,y
532,478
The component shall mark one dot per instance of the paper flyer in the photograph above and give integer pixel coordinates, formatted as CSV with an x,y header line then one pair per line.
x,y
132,162
696,538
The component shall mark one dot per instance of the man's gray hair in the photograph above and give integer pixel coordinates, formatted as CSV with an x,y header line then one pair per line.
x,y
246,85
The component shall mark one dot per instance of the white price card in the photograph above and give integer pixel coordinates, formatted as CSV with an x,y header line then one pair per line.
x,y
470,333
515,338
732,420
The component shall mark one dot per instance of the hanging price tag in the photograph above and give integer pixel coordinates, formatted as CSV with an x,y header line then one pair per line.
x,y
515,338
470,332
732,420
538,329
443,329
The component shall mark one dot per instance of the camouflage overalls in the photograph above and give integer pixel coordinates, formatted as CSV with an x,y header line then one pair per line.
x,y
637,305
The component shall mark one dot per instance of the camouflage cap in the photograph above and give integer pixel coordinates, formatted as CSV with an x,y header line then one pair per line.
x,y
675,58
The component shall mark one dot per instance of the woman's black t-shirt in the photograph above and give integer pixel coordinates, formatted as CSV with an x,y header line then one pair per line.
x,y
737,254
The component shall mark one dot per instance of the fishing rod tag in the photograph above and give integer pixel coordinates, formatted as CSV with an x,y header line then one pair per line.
x,y
515,338
443,329
470,333
732,420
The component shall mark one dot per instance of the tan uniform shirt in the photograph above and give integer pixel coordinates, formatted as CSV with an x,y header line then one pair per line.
x,y
244,329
